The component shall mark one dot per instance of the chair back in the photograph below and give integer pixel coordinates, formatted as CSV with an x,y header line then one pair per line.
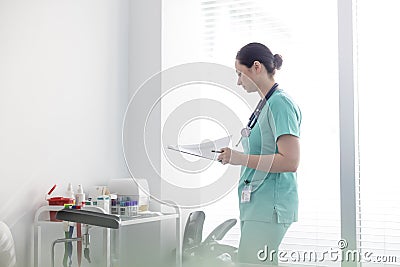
x,y
219,232
193,233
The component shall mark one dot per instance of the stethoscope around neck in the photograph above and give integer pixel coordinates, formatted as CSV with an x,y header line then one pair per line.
x,y
246,131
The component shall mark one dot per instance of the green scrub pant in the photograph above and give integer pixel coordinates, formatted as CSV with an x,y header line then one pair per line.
x,y
258,240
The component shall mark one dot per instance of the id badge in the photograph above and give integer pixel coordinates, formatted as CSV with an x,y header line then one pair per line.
x,y
246,194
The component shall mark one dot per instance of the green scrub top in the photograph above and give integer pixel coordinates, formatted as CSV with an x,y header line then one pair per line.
x,y
271,192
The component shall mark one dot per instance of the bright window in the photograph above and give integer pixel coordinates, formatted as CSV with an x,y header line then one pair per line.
x,y
305,34
377,66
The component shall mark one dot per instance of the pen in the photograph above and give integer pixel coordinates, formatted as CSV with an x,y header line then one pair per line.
x,y
216,151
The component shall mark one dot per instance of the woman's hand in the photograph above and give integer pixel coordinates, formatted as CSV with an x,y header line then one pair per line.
x,y
231,156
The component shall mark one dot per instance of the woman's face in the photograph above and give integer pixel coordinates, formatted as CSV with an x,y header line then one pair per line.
x,y
245,77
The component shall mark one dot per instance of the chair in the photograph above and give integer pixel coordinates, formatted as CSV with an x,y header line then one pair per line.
x,y
193,231
7,249
196,252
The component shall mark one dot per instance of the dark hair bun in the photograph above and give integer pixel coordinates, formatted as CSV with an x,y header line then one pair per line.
x,y
278,61
259,52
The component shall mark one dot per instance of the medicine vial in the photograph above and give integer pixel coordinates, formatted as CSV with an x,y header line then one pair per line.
x,y
80,196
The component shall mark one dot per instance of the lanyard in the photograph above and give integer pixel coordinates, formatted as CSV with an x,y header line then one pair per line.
x,y
245,132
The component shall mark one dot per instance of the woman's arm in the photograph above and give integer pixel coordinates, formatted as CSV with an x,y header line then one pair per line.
x,y
286,160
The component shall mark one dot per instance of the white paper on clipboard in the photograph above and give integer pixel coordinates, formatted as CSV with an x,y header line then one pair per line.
x,y
203,150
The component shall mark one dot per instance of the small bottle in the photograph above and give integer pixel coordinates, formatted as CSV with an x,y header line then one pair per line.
x,y
70,192
128,205
114,207
122,208
134,208
80,196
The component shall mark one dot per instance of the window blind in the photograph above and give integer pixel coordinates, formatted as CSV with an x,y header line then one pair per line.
x,y
318,228
378,94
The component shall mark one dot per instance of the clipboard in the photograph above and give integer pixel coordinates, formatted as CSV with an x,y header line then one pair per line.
x,y
203,150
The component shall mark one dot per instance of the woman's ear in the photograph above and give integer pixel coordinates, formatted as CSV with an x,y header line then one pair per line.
x,y
257,66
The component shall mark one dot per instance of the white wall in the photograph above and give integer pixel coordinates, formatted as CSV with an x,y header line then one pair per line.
x,y
63,91
144,62
149,240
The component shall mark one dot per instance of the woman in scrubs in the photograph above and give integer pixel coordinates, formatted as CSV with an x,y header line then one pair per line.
x,y
267,188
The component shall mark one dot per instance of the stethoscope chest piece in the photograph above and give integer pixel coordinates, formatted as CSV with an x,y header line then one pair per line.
x,y
245,132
